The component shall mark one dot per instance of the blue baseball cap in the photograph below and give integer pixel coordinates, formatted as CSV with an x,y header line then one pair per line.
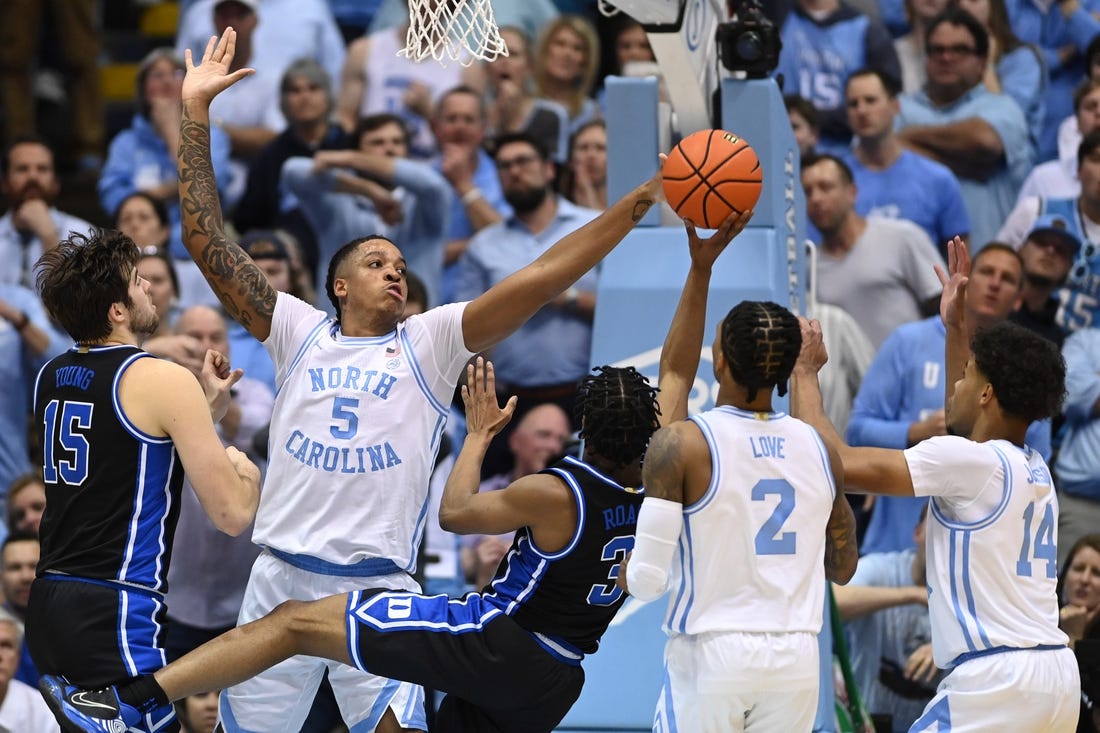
x,y
1056,224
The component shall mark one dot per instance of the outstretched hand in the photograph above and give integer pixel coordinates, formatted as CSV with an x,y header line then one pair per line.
x,y
812,355
483,415
212,76
656,184
217,380
705,251
954,281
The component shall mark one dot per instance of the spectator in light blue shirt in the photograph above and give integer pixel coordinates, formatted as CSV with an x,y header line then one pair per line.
x,y
891,181
1062,31
349,194
550,351
27,342
1078,463
955,120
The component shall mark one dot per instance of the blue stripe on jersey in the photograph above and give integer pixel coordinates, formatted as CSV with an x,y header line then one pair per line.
x,y
145,545
413,715
953,564
577,464
407,611
138,631
418,534
558,649
826,462
937,718
122,418
352,628
381,704
690,578
418,374
666,722
229,721
578,529
365,568
523,572
168,715
673,611
997,511
715,468
307,343
969,590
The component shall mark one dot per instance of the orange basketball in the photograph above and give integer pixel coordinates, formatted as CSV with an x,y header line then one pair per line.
x,y
710,174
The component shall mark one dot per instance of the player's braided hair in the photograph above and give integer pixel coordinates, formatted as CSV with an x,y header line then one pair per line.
x,y
761,341
617,410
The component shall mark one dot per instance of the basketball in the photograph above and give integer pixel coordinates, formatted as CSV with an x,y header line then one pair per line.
x,y
710,174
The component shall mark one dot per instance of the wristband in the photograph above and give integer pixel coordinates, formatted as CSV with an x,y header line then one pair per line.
x,y
471,196
26,321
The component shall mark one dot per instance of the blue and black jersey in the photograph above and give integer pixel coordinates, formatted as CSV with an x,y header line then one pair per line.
x,y
112,492
567,598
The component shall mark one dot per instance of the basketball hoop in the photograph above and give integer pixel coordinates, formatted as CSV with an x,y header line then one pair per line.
x,y
452,30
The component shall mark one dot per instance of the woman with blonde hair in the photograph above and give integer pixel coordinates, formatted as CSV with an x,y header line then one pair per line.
x,y
567,58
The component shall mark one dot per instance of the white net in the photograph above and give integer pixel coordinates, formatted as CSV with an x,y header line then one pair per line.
x,y
452,30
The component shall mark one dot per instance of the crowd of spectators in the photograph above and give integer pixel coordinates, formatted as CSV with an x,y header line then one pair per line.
x,y
918,121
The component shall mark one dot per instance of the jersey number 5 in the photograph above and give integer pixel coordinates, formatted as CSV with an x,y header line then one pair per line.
x,y
66,429
771,540
604,594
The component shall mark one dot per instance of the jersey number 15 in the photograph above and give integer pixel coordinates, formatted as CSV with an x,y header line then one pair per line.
x,y
64,425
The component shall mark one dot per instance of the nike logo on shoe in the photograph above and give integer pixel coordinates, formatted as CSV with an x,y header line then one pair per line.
x,y
81,699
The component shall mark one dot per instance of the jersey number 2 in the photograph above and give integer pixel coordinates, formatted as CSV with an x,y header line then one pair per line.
x,y
1045,548
604,594
65,428
770,540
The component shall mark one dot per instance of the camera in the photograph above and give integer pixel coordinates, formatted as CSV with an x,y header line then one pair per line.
x,y
750,41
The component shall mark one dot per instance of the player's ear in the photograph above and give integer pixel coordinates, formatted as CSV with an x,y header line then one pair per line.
x,y
987,395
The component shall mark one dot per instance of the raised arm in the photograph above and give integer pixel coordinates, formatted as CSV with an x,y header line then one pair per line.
x,y
239,284
953,313
875,470
681,350
168,400
497,313
527,502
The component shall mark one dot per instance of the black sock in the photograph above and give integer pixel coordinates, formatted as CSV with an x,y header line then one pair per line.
x,y
143,691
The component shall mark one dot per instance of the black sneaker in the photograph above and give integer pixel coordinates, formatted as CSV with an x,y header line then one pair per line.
x,y
97,711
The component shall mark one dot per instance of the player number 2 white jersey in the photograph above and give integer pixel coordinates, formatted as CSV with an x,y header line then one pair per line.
x,y
751,553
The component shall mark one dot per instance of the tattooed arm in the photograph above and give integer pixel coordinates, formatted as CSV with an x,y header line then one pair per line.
x,y
239,284
497,313
841,548
645,571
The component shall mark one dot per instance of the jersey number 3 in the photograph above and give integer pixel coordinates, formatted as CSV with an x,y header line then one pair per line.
x,y
771,540
65,423
614,551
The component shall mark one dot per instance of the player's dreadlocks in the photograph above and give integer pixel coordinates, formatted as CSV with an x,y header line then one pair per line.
x,y
617,411
761,341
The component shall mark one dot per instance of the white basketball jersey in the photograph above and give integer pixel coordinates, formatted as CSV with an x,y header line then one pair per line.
x,y
992,537
751,553
355,431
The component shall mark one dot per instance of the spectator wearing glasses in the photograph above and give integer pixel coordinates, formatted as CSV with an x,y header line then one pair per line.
x,y
545,359
955,120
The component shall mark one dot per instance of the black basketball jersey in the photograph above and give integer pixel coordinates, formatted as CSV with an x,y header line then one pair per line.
x,y
112,492
570,595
